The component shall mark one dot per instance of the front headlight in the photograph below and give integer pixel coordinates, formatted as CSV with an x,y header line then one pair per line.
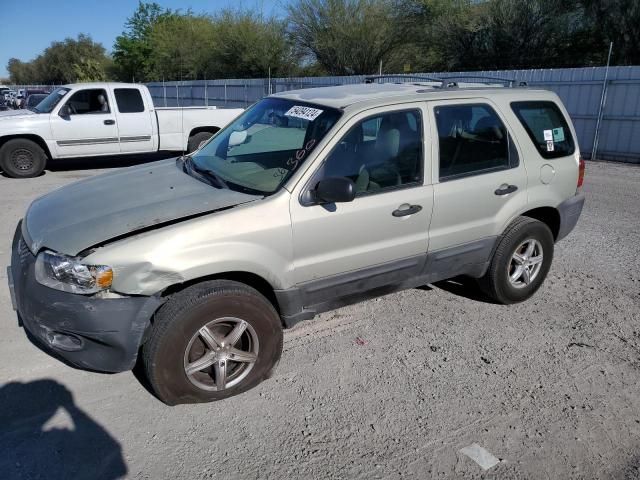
x,y
70,275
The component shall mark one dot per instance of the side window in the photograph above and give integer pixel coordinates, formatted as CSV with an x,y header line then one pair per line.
x,y
129,100
380,152
89,101
546,127
472,140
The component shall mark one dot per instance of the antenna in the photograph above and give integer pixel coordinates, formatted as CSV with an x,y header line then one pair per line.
x,y
181,113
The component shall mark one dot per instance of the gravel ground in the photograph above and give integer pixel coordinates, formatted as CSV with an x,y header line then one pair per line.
x,y
390,388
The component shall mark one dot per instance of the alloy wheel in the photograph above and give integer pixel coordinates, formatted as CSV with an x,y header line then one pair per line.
x,y
525,263
221,354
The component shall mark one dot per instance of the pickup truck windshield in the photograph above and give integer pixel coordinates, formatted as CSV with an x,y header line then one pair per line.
x,y
260,150
49,103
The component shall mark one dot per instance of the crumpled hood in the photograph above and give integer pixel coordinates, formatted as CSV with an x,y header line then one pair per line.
x,y
92,211
14,114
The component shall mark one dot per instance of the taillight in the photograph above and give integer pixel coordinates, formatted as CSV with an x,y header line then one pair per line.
x,y
581,172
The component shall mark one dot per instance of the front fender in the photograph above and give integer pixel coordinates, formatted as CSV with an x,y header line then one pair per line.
x,y
253,238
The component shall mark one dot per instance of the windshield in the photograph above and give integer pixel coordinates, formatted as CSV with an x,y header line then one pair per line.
x,y
49,103
260,150
34,100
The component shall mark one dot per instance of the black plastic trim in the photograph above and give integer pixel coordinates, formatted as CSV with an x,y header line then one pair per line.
x,y
107,331
305,300
570,211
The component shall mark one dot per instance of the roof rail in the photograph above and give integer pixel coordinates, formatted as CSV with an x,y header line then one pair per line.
x,y
449,81
508,82
373,78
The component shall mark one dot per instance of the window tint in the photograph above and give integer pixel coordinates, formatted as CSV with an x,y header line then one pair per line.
x,y
89,101
264,146
380,152
472,139
129,100
272,131
546,127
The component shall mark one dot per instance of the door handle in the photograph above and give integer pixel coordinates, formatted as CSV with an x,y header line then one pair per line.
x,y
506,189
109,122
410,210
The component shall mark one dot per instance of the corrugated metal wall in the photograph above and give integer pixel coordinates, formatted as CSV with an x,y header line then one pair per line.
x,y
579,88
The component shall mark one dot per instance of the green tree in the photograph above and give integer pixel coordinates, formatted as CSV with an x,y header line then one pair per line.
x,y
63,62
616,21
20,73
180,47
247,45
133,49
346,36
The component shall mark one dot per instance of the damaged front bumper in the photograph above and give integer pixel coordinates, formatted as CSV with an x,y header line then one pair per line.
x,y
102,334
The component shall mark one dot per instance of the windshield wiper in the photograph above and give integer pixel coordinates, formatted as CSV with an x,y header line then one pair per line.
x,y
210,175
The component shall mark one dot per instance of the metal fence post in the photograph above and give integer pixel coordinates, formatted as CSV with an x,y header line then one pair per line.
x,y
603,100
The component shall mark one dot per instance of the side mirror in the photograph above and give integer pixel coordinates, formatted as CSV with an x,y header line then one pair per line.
x,y
237,138
335,190
64,111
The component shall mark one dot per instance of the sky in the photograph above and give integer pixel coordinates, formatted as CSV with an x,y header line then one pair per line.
x,y
27,27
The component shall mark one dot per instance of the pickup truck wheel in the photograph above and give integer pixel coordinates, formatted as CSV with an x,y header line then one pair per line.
x,y
196,140
22,158
212,341
520,263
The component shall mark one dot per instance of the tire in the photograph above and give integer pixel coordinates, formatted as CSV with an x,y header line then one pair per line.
x,y
196,140
522,234
178,342
22,158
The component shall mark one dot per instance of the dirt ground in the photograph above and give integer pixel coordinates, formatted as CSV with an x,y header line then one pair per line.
x,y
390,388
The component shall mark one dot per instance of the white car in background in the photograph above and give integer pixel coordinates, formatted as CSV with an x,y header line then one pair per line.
x,y
100,119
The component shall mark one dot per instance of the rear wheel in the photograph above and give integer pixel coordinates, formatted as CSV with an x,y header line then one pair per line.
x,y
196,140
212,341
520,263
22,158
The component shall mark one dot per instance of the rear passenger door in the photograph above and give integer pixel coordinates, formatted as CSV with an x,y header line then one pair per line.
x,y
135,121
479,179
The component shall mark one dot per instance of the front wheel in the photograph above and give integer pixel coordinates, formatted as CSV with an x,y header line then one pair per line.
x,y
212,341
520,263
22,158
195,141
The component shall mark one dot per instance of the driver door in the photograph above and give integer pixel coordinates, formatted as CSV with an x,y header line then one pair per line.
x,y
89,129
384,230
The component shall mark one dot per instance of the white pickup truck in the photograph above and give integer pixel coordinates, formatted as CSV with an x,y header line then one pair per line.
x,y
100,119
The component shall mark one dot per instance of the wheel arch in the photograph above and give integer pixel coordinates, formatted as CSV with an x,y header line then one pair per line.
x,y
209,129
28,136
248,278
550,216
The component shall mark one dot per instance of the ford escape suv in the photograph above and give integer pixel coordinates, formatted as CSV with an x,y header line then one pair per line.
x,y
308,201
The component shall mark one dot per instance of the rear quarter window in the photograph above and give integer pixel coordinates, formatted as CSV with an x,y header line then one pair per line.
x,y
547,128
129,100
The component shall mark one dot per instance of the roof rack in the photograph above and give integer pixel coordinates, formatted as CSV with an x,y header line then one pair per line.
x,y
508,82
373,78
449,81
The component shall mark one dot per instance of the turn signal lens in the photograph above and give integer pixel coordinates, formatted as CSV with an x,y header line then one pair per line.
x,y
104,277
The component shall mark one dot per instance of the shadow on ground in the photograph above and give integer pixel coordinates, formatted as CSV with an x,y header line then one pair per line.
x,y
43,434
464,287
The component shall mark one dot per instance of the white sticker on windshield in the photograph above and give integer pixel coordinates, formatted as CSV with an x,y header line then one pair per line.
x,y
549,145
306,113
62,93
548,135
